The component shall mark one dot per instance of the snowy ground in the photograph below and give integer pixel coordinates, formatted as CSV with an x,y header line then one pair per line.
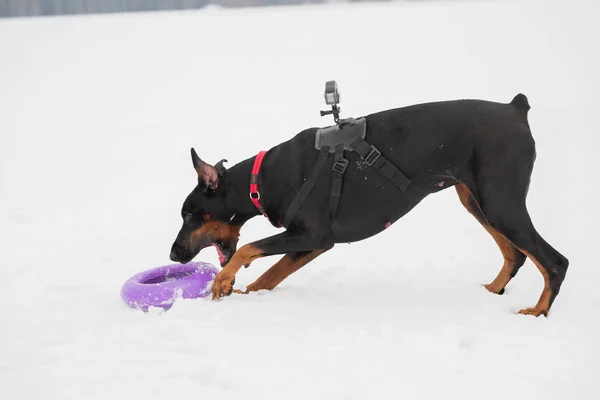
x,y
97,117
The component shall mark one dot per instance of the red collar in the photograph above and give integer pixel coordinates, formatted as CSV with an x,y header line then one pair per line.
x,y
254,194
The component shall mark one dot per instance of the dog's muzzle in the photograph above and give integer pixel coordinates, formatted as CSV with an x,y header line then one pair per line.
x,y
179,254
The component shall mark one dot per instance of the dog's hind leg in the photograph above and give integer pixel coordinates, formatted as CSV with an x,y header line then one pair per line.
x,y
502,180
513,258
516,226
289,264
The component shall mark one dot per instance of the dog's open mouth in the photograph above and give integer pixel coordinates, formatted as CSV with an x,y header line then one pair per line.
x,y
223,251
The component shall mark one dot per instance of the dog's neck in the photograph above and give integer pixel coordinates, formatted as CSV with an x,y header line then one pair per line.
x,y
237,182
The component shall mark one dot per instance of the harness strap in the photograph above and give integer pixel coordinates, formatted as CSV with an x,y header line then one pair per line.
x,y
307,187
339,167
372,157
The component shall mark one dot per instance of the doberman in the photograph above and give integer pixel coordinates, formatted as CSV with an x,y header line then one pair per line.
x,y
485,149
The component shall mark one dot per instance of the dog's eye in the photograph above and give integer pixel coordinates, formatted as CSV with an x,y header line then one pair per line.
x,y
207,217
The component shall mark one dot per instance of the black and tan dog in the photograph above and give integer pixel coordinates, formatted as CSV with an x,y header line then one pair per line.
x,y
484,149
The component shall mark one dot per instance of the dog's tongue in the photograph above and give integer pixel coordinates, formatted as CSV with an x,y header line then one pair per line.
x,y
221,255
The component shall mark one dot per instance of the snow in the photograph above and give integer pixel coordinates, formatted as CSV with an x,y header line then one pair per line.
x,y
99,113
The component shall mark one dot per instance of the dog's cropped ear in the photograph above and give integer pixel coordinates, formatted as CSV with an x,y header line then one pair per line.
x,y
220,167
206,172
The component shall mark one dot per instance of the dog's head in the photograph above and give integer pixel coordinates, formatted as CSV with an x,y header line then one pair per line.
x,y
207,219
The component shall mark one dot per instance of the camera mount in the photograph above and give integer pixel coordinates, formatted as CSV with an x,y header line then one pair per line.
x,y
332,98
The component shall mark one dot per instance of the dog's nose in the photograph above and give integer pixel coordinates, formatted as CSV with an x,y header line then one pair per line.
x,y
174,256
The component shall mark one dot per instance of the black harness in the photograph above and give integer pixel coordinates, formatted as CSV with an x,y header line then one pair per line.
x,y
348,135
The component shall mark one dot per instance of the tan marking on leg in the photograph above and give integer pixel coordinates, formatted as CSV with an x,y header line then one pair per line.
x,y
543,305
245,255
508,252
289,264
506,247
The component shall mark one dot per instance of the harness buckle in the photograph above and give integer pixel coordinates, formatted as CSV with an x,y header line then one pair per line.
x,y
340,166
254,195
373,156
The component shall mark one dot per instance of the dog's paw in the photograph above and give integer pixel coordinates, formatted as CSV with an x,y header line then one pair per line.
x,y
536,312
492,289
222,286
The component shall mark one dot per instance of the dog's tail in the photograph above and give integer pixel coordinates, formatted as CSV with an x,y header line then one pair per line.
x,y
520,101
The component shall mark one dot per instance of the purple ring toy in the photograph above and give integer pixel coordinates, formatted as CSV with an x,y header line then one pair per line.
x,y
160,287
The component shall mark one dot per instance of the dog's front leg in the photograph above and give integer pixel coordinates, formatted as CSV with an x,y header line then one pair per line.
x,y
282,243
289,264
